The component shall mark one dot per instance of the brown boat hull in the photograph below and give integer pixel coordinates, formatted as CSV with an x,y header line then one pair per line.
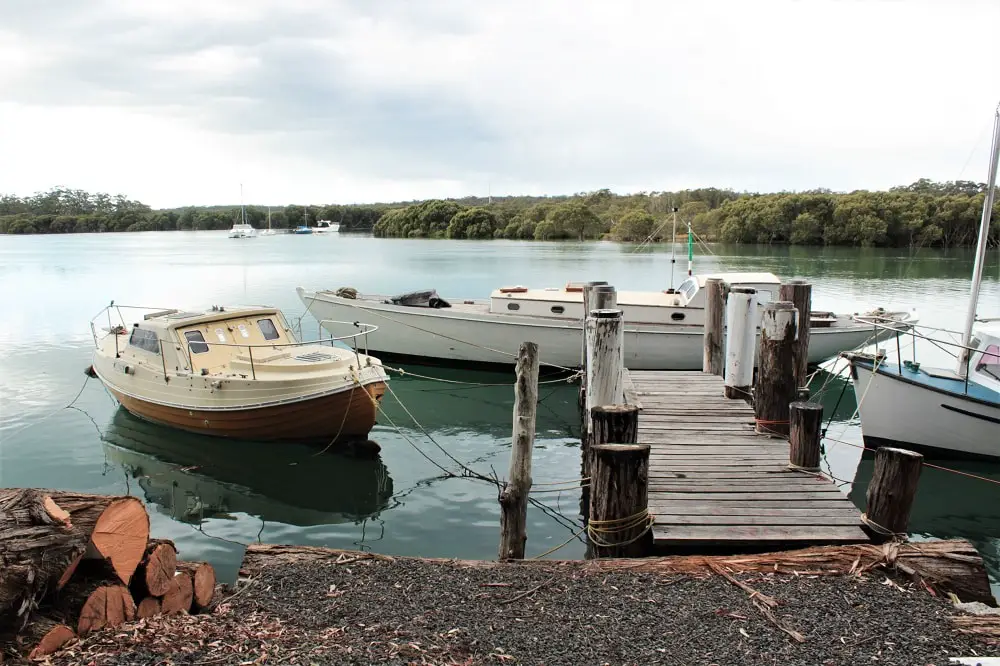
x,y
340,416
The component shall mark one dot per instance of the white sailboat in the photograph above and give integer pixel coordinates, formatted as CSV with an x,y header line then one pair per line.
x,y
951,411
242,229
269,231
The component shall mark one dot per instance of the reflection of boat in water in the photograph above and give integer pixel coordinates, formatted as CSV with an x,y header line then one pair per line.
x,y
949,505
191,477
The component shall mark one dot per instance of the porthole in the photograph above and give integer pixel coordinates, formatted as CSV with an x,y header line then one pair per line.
x,y
558,309
677,316
513,306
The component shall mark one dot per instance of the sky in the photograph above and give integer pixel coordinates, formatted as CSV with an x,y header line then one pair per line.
x,y
183,102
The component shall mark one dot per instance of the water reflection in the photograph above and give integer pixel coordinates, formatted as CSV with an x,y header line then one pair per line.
x,y
193,477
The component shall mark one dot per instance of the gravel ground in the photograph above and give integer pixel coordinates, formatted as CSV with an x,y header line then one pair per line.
x,y
411,612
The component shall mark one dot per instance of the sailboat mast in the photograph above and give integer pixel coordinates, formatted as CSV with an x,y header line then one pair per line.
x,y
984,232
243,211
673,248
690,250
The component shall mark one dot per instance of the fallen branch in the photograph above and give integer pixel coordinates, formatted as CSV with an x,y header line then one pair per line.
x,y
525,594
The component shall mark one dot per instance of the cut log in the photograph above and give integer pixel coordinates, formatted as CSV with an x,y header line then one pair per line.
x,y
148,607
203,577
43,636
156,571
94,599
38,549
180,596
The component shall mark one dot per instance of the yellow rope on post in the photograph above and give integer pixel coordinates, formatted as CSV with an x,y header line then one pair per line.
x,y
597,528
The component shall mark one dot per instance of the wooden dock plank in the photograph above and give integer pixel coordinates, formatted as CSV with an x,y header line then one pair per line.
x,y
712,479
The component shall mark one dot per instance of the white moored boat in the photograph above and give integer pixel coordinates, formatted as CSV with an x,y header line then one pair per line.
x,y
237,372
940,410
663,329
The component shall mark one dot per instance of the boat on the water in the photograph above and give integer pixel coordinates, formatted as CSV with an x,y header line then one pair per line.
x,y
238,372
663,329
269,231
303,229
242,229
942,411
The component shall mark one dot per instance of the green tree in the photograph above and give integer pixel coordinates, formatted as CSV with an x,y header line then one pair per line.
x,y
575,220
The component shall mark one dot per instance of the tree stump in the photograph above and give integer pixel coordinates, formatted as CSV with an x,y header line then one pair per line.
x,y
619,523
203,579
156,571
775,389
180,596
891,492
94,599
805,422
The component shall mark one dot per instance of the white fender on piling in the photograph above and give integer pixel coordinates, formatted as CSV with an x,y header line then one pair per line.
x,y
741,341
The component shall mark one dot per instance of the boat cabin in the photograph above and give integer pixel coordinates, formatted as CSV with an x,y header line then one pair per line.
x,y
984,366
683,305
210,341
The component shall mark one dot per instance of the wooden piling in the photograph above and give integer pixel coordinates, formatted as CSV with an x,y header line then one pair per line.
x,y
605,339
806,419
588,305
799,293
514,496
716,291
619,520
617,424
741,341
891,492
775,389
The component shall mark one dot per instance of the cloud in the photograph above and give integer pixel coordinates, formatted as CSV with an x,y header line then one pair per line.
x,y
178,102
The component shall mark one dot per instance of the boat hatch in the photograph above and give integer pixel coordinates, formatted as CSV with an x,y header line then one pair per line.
x,y
313,357
161,313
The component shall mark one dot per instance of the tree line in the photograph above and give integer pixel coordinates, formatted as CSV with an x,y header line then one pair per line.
x,y
923,214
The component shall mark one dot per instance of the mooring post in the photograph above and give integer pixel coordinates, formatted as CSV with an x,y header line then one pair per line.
x,y
514,495
608,423
799,292
775,389
713,361
619,521
805,419
588,305
891,492
605,339
741,341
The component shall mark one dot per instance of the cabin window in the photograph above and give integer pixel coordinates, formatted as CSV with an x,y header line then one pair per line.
x,y
689,288
677,316
145,340
558,309
513,306
267,329
989,362
196,342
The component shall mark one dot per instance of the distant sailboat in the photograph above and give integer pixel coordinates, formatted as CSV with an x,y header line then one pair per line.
x,y
304,228
269,231
242,229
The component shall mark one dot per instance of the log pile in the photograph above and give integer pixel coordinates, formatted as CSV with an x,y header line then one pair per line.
x,y
74,563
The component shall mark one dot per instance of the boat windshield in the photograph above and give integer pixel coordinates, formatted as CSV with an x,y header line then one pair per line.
x,y
989,362
689,288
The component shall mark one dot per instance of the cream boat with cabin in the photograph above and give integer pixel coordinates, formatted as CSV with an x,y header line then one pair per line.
x,y
237,372
663,329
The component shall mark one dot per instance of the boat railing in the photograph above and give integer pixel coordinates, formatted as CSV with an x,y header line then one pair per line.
x,y
922,332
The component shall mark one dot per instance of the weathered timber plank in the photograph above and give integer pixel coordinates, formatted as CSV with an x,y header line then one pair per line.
x,y
804,521
674,505
694,511
748,533
699,489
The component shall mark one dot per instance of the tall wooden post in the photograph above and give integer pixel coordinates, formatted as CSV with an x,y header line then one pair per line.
x,y
799,292
514,496
604,297
588,305
806,419
608,423
619,522
775,389
605,338
741,341
891,492
713,361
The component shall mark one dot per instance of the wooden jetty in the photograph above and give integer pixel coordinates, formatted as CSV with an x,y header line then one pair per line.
x,y
714,481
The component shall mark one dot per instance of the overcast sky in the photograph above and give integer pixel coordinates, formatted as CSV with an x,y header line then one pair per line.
x,y
178,102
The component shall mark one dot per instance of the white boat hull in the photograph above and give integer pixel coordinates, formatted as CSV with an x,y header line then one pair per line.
x,y
448,335
893,410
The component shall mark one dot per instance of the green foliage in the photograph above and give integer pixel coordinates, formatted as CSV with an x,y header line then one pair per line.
x,y
473,223
635,225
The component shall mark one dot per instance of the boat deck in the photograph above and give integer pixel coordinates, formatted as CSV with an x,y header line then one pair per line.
x,y
714,481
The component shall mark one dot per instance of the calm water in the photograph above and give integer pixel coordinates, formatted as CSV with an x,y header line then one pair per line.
x,y
213,497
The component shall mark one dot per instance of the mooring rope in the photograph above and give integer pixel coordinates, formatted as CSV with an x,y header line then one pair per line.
x,y
598,529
